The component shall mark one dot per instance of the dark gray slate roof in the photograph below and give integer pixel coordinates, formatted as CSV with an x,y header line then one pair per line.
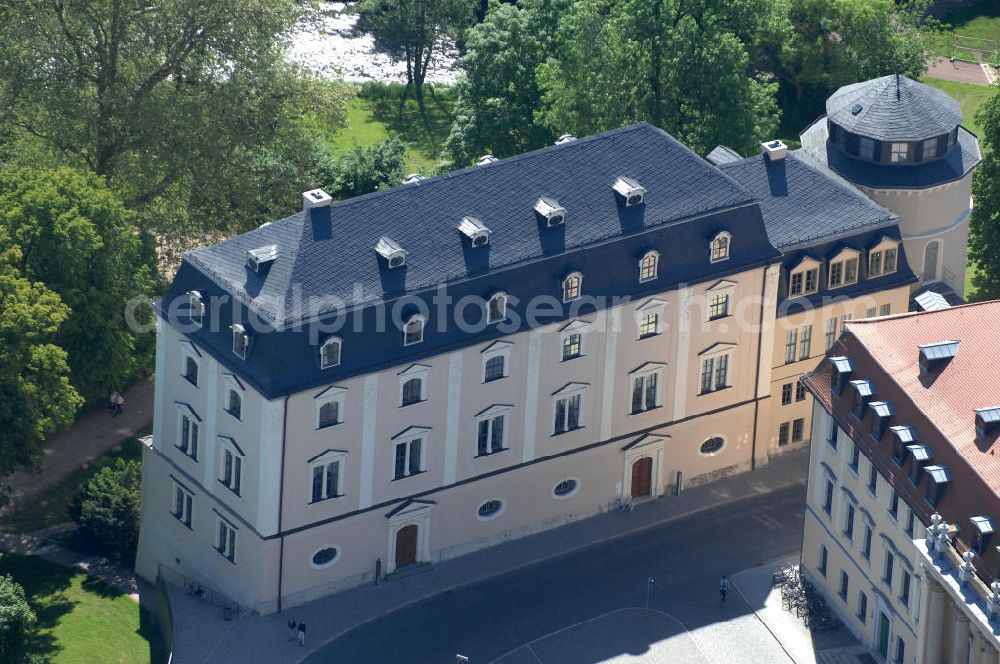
x,y
874,109
960,160
804,204
723,155
330,251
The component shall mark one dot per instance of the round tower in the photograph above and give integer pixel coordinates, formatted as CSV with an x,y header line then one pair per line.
x,y
901,142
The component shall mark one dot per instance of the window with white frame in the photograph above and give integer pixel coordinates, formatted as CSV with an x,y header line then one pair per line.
x,y
413,331
714,372
805,341
804,278
231,469
413,384
571,339
831,332
900,152
330,407
225,542
719,247
496,309
882,258
326,475
241,341
491,430
718,305
496,360
191,370
183,505
568,409
791,345
649,266
234,404
329,353
646,389
187,436
648,317
844,269
572,286
408,457
196,308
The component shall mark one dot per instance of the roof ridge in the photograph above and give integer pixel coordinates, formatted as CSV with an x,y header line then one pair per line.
x,y
909,314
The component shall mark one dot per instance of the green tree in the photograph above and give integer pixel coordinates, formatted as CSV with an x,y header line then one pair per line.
x,y
77,239
367,168
17,621
107,509
187,107
411,30
498,96
36,397
984,224
681,65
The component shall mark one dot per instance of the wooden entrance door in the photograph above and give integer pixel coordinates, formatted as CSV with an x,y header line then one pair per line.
x,y
642,477
406,545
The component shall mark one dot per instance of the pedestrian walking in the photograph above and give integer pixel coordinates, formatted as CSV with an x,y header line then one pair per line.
x,y
302,633
111,401
723,587
118,400
293,628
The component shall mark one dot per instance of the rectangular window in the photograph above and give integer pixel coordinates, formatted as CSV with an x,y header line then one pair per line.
x,y
409,459
866,544
866,148
791,344
644,392
800,391
828,498
890,260
567,413
718,306
795,284
900,151
812,280
873,480
909,522
798,429
930,149
884,309
571,346
786,394
874,263
844,319
183,502
850,270
855,458
494,368
831,333
844,582
189,437
232,470
900,651
862,607
714,373
894,504
325,480
871,312
226,543
836,274
890,561
904,588
849,523
648,325
823,556
491,433
805,342
783,434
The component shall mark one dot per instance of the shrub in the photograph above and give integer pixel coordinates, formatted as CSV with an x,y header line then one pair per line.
x,y
107,510
17,621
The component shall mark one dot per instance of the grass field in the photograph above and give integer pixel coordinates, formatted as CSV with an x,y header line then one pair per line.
x,y
981,22
82,620
969,96
52,509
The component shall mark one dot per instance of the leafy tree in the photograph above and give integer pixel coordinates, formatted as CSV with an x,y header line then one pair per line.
x,y
410,30
367,168
17,621
498,96
77,239
107,509
984,224
681,65
36,397
186,107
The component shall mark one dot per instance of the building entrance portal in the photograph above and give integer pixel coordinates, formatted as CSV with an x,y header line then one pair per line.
x,y
406,545
642,477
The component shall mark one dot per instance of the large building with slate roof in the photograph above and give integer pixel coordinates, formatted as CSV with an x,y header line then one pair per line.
x,y
410,375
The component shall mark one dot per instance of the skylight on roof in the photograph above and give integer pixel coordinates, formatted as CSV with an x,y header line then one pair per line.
x,y
931,301
475,230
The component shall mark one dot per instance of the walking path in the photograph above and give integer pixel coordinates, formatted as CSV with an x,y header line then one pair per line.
x,y
960,71
201,634
92,435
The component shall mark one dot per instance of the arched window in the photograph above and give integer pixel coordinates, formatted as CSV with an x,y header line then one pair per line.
x,y
572,286
649,266
235,406
325,557
329,353
720,247
497,309
490,509
712,445
414,331
413,390
931,252
494,369
566,488
329,414
191,370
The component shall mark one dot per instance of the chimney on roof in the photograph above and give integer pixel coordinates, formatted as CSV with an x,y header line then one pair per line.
x,y
316,198
775,150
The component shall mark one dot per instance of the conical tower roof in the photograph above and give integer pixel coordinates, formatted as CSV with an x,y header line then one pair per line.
x,y
894,108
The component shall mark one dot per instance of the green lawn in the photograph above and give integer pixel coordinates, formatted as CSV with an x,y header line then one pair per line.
x,y
969,96
51,510
980,22
82,620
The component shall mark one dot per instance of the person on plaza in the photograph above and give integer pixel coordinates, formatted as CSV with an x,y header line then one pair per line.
x,y
302,633
723,586
293,627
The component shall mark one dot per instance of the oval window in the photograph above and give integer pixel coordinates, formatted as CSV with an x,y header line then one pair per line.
x,y
490,509
325,557
712,445
565,489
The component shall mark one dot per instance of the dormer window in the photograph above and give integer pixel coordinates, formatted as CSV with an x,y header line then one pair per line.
x,y
933,357
394,255
920,455
719,247
329,353
987,420
882,258
572,286
414,177
486,159
863,392
902,437
553,213
649,266
413,331
196,308
804,278
842,369
844,268
882,412
496,309
260,258
982,530
630,189
241,341
475,230
938,478
565,138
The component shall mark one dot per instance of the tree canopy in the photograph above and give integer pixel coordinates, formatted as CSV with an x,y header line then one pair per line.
x,y
984,224
17,622
107,509
366,168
